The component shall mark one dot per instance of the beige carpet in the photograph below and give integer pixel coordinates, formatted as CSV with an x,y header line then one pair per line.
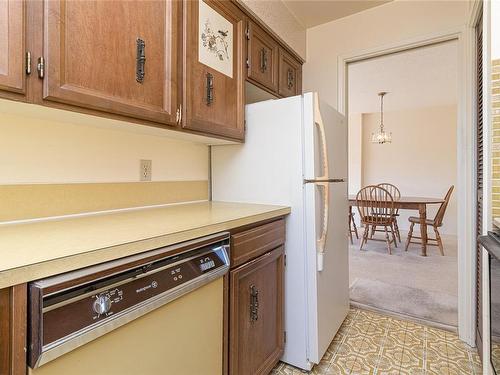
x,y
405,282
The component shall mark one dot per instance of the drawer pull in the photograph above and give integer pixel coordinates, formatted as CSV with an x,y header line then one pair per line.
x,y
141,60
290,79
254,303
210,88
263,60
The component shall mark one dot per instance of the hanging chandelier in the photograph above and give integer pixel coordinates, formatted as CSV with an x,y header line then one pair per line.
x,y
381,136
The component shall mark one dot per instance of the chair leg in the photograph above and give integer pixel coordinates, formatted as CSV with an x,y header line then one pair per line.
x,y
364,238
393,232
439,241
387,240
410,233
354,226
373,231
396,227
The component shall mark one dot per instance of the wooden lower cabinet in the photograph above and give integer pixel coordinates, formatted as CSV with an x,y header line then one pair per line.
x,y
13,329
256,331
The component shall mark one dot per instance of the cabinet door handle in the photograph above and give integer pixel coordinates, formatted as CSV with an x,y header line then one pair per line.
x,y
141,60
40,67
254,303
210,88
263,60
290,78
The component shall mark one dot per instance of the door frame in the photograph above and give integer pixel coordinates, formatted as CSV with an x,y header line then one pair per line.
x,y
466,123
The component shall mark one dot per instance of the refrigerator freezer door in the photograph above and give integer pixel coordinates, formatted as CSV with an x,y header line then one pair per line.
x,y
325,140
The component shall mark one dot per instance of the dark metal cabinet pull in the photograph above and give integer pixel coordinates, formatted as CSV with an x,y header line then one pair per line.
x,y
254,303
141,61
263,60
289,76
210,88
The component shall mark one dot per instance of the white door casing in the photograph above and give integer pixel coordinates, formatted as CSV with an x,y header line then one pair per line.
x,y
465,153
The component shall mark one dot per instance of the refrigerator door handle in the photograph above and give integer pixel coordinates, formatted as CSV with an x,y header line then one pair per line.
x,y
320,243
316,180
322,181
318,121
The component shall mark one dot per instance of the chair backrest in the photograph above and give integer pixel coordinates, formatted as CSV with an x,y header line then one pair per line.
x,y
393,190
375,205
438,220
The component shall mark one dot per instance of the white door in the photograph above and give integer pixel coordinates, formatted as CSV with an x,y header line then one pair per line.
x,y
325,159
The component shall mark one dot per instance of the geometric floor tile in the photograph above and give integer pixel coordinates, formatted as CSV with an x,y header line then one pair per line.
x,y
374,344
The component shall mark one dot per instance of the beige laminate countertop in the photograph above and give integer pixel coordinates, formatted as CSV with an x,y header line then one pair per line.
x,y
29,251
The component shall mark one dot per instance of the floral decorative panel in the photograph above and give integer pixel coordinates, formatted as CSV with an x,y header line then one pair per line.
x,y
215,42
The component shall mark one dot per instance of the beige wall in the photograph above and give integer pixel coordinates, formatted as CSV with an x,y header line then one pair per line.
x,y
277,16
42,151
421,160
58,162
373,28
355,136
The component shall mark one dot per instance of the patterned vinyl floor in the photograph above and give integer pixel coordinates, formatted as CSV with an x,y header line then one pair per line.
x,y
371,343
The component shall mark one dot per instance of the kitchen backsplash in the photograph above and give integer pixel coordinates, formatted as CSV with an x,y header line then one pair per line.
x,y
29,201
82,163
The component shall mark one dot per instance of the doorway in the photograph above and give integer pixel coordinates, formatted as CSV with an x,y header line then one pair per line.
x,y
420,112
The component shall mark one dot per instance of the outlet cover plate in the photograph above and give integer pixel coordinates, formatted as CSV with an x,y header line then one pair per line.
x,y
145,170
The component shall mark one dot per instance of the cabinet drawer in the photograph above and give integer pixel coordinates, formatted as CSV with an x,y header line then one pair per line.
x,y
256,241
290,75
262,58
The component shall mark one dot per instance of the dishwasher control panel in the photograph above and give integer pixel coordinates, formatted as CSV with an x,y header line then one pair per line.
x,y
133,291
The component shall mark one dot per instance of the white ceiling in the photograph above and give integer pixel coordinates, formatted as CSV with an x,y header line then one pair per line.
x,y
313,12
423,77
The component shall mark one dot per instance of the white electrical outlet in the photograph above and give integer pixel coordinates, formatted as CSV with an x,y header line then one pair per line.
x,y
145,170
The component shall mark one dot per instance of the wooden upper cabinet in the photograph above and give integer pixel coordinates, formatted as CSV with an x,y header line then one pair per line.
x,y
213,63
256,315
12,48
262,55
290,75
119,57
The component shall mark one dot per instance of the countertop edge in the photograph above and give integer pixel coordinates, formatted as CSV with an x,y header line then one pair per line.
x,y
56,266
490,245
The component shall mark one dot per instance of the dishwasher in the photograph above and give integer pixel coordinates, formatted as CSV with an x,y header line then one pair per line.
x,y
159,312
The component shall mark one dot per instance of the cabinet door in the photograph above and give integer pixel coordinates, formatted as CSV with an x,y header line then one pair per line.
x,y
114,56
213,60
256,315
12,47
290,79
262,55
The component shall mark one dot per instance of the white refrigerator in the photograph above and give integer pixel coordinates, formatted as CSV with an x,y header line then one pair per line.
x,y
295,154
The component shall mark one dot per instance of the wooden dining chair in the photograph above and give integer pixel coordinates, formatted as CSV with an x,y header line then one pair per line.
x,y
434,223
376,207
352,226
396,195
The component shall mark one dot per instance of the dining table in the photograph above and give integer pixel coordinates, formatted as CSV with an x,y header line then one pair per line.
x,y
411,203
